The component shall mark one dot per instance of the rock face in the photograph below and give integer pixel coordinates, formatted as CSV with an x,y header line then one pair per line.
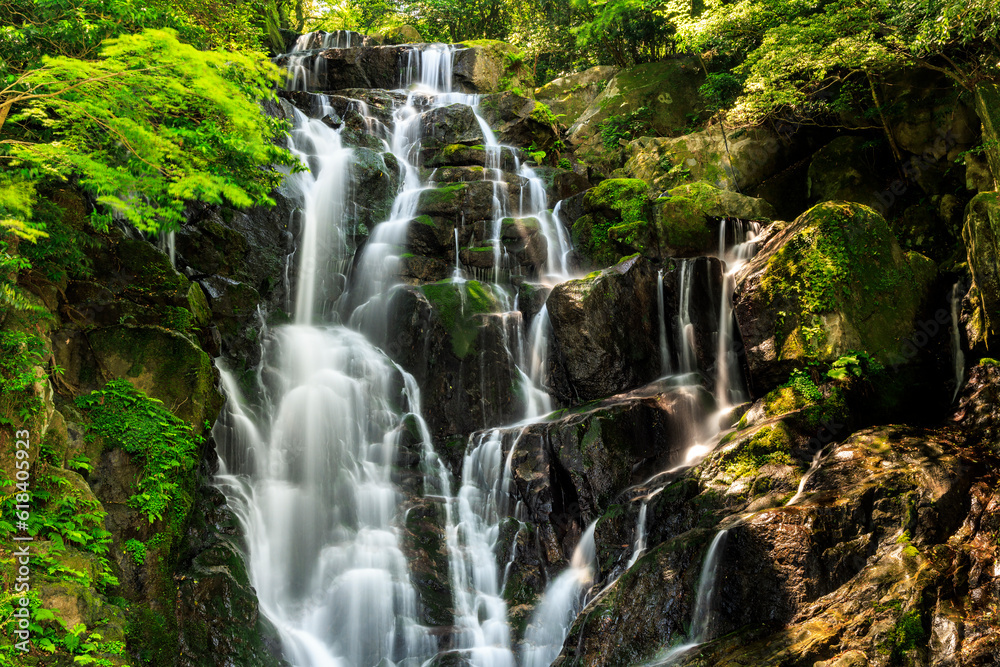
x,y
569,96
605,328
833,281
361,67
669,89
738,163
797,582
980,233
490,66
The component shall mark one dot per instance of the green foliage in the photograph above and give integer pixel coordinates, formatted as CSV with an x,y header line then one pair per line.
x,y
543,114
195,133
564,163
795,55
624,32
20,355
137,550
124,417
720,90
801,382
853,365
615,129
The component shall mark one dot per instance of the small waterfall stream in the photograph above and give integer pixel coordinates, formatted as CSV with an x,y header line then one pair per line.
x,y
560,604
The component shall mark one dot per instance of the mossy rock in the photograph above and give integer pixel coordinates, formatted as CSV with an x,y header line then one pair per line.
x,y
832,282
681,228
491,66
981,234
614,203
162,363
718,203
666,91
459,305
570,95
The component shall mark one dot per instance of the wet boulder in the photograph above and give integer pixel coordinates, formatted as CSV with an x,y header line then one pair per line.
x,y
458,201
604,332
461,155
832,282
361,67
979,405
453,338
451,124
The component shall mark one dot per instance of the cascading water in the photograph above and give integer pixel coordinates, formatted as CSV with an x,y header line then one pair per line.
x,y
701,618
728,383
309,472
661,311
560,604
957,355
482,632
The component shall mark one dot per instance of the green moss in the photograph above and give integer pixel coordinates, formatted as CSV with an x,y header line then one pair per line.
x,y
841,260
442,194
543,114
425,220
614,203
770,444
682,225
458,305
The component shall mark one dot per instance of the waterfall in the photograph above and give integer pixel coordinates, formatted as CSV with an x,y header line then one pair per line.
x,y
661,311
685,329
539,402
640,536
560,604
728,382
701,618
958,357
482,632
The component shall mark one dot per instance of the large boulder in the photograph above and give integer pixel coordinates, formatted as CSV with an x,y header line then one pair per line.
x,y
360,67
570,95
520,121
606,329
739,162
832,282
490,66
451,124
981,234
667,89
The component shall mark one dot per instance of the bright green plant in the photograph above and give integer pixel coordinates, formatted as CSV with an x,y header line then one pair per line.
x,y
125,417
148,115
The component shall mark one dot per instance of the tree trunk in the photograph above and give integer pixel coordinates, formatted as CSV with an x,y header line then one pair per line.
x,y
988,108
